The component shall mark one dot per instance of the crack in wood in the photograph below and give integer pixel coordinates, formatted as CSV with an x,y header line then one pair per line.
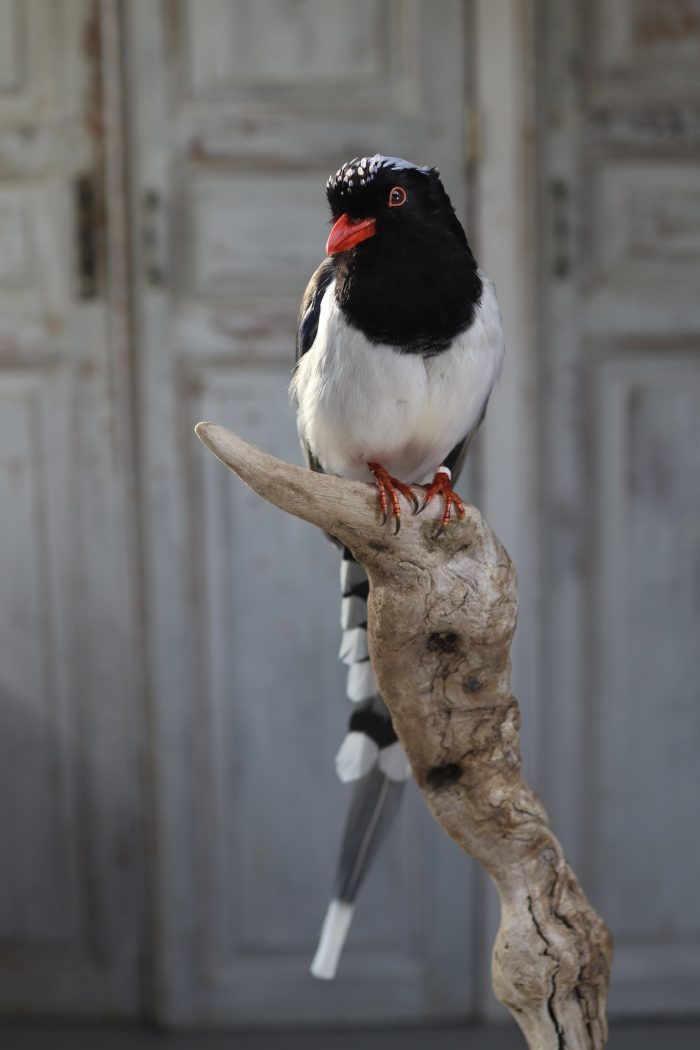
x,y
550,1001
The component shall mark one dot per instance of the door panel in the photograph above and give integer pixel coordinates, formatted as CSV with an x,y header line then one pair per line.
x,y
239,112
70,902
621,390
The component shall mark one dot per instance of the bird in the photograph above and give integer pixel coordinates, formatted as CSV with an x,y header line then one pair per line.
x,y
399,346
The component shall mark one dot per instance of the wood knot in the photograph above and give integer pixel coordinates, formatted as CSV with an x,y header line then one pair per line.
x,y
442,642
443,776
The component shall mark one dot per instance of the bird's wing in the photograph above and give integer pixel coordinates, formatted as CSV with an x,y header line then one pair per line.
x,y
307,328
311,306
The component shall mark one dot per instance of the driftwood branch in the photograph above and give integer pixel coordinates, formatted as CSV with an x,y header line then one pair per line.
x,y
442,612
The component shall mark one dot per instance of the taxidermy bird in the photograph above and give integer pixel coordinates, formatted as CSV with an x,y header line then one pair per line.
x,y
398,348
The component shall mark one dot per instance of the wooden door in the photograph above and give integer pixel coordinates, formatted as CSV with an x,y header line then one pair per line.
x,y
620,105
239,112
70,901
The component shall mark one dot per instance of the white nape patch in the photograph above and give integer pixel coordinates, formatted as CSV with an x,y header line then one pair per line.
x,y
353,646
393,762
353,612
361,683
362,170
360,402
333,933
356,756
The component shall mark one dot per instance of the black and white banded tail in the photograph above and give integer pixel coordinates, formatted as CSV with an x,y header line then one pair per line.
x,y
372,758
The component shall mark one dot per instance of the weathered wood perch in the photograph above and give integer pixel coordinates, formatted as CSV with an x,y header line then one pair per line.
x,y
442,612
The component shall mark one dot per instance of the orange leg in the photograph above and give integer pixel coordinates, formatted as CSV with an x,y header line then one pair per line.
x,y
388,489
442,484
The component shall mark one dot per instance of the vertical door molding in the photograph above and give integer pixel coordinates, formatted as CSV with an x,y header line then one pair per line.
x,y
620,397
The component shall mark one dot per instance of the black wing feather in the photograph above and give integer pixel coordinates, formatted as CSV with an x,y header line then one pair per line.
x,y
308,327
311,306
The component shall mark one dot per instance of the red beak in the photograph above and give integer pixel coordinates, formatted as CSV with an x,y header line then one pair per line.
x,y
347,233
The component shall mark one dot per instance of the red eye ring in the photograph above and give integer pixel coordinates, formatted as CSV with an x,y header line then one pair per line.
x,y
397,197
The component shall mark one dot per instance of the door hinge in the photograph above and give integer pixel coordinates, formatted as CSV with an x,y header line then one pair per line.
x,y
560,226
154,238
86,236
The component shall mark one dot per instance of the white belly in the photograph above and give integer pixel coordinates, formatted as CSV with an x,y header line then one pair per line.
x,y
360,402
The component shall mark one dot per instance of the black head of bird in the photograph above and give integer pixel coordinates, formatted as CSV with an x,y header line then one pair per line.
x,y
404,270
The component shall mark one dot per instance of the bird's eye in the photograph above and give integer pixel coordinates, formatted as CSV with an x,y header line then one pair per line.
x,y
397,196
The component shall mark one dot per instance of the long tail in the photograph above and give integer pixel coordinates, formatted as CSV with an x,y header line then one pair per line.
x,y
372,758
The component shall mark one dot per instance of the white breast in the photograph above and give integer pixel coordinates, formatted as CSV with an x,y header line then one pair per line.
x,y
360,402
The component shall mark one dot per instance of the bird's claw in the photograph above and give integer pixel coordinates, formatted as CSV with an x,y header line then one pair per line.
x,y
385,518
388,488
441,484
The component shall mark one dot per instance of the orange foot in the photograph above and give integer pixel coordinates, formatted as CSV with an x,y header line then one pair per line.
x,y
387,488
441,483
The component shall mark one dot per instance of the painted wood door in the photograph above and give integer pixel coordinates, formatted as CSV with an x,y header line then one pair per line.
x,y
70,901
239,112
620,106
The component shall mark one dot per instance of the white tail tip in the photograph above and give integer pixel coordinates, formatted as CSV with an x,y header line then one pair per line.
x,y
393,763
333,933
356,756
361,683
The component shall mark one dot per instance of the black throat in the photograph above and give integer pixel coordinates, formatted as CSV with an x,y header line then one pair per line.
x,y
414,294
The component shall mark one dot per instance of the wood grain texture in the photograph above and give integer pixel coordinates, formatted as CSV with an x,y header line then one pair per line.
x,y
442,613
